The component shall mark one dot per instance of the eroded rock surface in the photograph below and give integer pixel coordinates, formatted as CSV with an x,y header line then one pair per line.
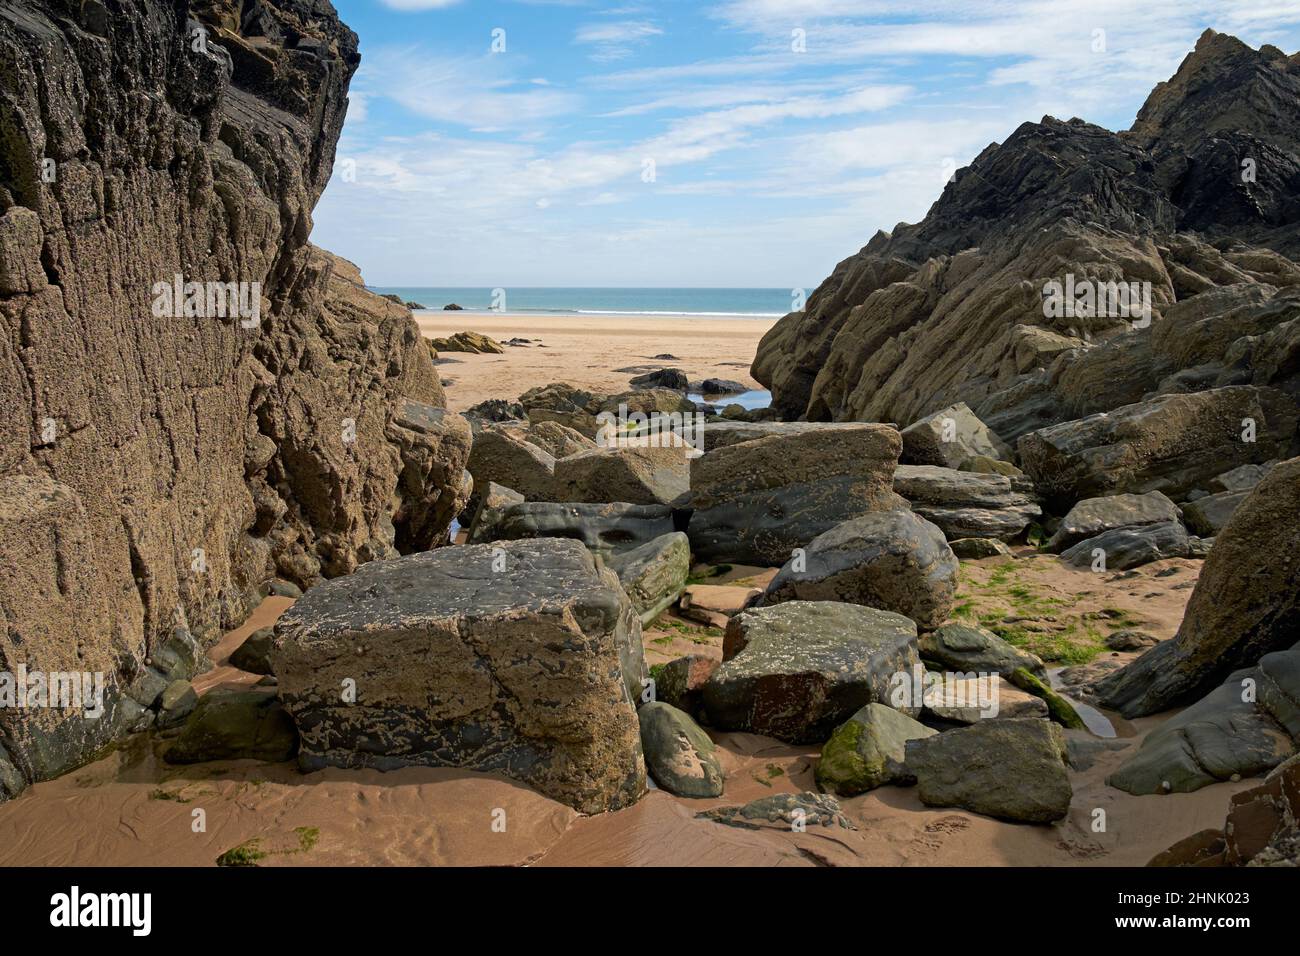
x,y
193,454
522,658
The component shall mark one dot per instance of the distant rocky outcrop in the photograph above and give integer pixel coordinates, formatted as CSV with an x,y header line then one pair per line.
x,y
193,398
473,342
1198,199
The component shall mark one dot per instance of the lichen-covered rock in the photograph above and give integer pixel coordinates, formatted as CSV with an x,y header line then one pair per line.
x,y
1246,604
971,697
1092,516
1011,769
798,670
678,754
968,504
756,501
235,725
177,702
976,549
867,751
559,440
502,454
786,811
654,574
949,438
1060,709
893,560
522,658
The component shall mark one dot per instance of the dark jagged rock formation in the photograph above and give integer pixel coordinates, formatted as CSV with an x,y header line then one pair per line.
x,y
952,309
158,465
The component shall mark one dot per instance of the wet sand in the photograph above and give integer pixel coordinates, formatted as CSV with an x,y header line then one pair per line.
x,y
130,808
587,351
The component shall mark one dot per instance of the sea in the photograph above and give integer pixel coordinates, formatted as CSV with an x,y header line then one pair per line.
x,y
705,303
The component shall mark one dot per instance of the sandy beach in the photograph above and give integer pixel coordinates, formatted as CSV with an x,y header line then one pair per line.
x,y
587,351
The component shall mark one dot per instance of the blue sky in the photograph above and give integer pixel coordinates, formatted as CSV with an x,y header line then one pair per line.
x,y
729,143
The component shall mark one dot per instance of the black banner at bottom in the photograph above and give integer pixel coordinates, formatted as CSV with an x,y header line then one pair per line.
x,y
139,906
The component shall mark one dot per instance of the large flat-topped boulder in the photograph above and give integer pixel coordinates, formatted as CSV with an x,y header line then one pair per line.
x,y
1171,444
721,434
522,658
756,501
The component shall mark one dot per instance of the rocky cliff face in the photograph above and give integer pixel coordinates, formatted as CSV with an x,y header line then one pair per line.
x,y
163,455
1201,199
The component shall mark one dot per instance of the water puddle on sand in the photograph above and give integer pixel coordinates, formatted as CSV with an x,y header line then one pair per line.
x,y
1098,724
754,398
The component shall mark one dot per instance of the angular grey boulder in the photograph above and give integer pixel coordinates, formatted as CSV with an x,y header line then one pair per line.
x,y
1124,548
645,474
967,504
654,574
756,501
893,560
1209,515
949,437
798,670
522,658
966,648
678,754
502,454
1244,478
603,528
1093,516
1011,769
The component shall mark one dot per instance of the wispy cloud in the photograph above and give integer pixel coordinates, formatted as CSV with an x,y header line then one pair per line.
x,y
615,40
411,6
695,145
475,92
